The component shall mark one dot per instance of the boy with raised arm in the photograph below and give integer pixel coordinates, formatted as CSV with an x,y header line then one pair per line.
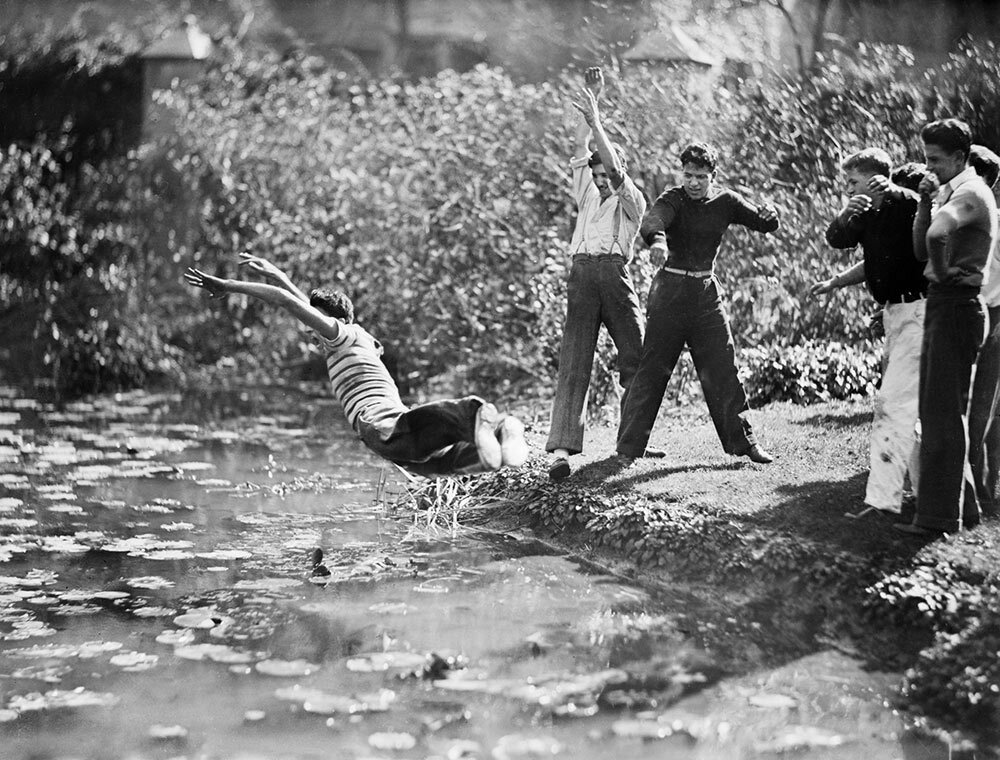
x,y
451,437
600,287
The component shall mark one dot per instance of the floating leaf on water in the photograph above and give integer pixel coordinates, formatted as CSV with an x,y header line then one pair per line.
x,y
153,612
164,555
149,582
180,638
90,649
254,716
49,674
199,618
518,747
642,729
17,523
111,595
199,651
67,509
773,701
177,526
56,699
134,662
8,715
9,504
222,555
386,740
298,693
44,651
801,737
167,733
377,661
62,545
286,668
194,466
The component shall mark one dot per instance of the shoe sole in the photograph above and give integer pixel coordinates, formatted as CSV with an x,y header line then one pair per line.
x,y
513,447
559,470
487,445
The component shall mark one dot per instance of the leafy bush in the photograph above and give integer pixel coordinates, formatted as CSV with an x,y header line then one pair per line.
x,y
809,372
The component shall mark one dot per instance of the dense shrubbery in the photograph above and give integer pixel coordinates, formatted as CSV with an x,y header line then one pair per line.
x,y
441,206
808,372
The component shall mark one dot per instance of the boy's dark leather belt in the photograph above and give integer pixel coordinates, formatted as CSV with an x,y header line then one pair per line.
x,y
906,298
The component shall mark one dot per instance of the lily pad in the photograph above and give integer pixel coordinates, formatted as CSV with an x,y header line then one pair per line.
x,y
386,740
795,738
286,668
134,662
167,733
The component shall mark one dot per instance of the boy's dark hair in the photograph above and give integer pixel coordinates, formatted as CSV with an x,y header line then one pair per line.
x,y
985,162
595,157
333,303
700,154
951,135
868,161
909,175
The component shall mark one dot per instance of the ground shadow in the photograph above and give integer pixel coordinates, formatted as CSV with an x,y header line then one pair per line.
x,y
855,419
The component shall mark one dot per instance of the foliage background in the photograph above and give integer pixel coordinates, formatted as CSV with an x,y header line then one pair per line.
x,y
441,206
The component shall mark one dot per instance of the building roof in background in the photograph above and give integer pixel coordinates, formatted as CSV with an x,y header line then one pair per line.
x,y
188,43
670,44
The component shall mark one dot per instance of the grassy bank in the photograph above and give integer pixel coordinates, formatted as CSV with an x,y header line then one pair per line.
x,y
775,540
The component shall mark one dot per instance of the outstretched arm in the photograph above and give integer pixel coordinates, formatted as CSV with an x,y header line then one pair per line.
x,y
271,272
309,316
851,276
586,104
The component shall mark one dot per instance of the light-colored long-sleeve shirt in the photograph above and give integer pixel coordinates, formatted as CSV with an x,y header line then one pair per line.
x,y
608,226
957,235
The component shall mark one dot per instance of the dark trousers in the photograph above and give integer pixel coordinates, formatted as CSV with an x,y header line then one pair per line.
x,y
430,439
953,332
599,292
984,427
686,311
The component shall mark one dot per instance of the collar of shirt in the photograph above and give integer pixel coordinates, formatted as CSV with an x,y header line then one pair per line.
x,y
949,187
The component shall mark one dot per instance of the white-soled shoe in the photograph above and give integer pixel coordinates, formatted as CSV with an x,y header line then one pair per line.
x,y
487,445
513,447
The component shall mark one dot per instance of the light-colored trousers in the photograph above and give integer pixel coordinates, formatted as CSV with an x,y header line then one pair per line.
x,y
894,441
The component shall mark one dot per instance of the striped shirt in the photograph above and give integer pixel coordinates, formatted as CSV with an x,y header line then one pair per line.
x,y
359,379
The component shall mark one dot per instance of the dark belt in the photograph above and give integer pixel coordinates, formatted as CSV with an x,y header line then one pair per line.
x,y
906,298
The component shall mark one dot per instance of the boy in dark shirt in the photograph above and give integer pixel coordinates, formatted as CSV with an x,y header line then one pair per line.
x,y
878,216
686,225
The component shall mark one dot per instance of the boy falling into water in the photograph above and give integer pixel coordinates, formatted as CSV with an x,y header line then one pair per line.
x,y
450,437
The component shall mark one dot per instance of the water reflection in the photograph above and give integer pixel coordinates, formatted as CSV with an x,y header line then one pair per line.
x,y
159,597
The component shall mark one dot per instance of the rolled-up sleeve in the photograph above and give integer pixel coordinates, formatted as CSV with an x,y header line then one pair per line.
x,y
581,178
633,204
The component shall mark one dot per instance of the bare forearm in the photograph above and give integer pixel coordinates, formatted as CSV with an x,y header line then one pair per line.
x,y
608,155
852,276
921,223
290,302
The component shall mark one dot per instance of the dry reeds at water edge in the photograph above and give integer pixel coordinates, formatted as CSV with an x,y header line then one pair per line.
x,y
443,504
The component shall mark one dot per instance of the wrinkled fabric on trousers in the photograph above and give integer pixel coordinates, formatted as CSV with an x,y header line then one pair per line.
x,y
599,291
897,405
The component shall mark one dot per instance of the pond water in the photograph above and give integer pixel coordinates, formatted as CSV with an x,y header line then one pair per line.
x,y
160,597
